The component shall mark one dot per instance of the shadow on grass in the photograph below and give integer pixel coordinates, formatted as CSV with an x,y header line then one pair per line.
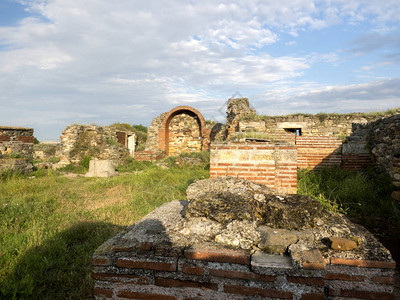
x,y
60,267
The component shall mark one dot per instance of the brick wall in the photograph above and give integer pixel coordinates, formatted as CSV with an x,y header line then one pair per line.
x,y
318,151
16,140
274,165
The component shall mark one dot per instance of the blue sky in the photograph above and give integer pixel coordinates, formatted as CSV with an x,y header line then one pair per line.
x,y
100,61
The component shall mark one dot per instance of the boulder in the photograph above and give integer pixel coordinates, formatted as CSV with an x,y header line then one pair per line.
x,y
253,217
224,199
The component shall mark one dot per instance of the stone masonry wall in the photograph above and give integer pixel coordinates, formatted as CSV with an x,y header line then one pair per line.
x,y
78,141
385,145
184,135
339,125
16,140
16,149
274,165
182,129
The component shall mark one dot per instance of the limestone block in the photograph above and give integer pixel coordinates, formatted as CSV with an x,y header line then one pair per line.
x,y
101,168
275,240
343,244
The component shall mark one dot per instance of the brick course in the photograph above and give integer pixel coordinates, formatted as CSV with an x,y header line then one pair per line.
x,y
272,164
148,270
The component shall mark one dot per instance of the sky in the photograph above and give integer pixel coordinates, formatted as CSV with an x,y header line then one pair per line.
x,y
100,61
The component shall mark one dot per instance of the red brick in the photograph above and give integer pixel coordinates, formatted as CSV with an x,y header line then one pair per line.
x,y
383,280
218,255
313,260
344,277
215,169
149,265
241,275
166,282
265,147
26,139
4,138
102,292
366,295
224,164
120,277
306,280
364,263
144,296
312,297
253,291
101,262
192,270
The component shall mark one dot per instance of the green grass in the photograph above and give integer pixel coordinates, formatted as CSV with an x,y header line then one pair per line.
x,y
365,197
50,225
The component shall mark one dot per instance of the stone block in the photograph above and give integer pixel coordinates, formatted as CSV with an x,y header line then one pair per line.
x,y
101,168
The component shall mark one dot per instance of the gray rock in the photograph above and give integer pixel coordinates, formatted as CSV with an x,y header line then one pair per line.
x,y
224,199
275,240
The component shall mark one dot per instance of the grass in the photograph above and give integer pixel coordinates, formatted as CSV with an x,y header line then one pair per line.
x,y
50,225
365,197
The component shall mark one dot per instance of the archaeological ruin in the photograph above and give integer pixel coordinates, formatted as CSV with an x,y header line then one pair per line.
x,y
244,233
350,141
182,129
16,148
96,142
236,239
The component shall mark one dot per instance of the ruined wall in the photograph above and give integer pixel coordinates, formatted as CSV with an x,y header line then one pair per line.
x,y
274,165
16,140
152,133
78,141
16,149
339,125
384,141
184,135
182,129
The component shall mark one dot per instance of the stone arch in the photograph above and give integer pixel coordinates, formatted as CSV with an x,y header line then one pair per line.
x,y
164,131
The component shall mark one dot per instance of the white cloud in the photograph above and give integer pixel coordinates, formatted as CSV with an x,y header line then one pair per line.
x,y
99,61
375,95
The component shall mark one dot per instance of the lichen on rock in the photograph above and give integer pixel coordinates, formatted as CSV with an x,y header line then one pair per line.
x,y
252,216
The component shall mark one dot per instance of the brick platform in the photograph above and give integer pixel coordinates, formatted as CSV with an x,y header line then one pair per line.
x,y
146,262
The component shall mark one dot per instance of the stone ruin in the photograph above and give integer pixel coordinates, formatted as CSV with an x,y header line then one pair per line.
x,y
182,129
236,239
350,141
97,142
16,148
